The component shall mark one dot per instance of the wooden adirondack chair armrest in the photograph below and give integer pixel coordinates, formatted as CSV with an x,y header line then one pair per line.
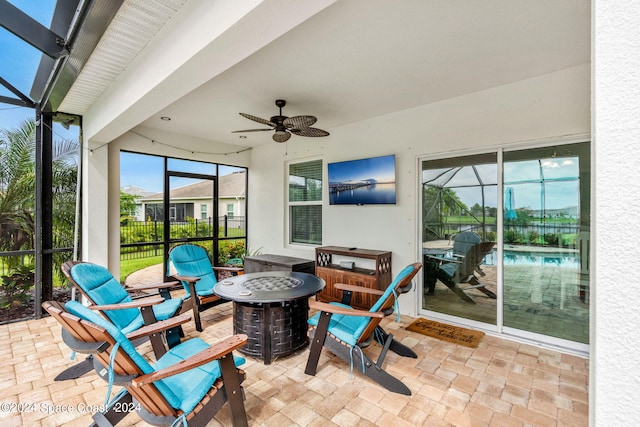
x,y
360,289
334,309
138,303
152,286
189,279
159,326
216,351
444,259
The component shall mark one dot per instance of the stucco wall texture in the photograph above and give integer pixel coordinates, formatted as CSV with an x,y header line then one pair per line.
x,y
615,325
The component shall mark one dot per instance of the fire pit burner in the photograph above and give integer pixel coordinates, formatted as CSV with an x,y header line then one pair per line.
x,y
271,283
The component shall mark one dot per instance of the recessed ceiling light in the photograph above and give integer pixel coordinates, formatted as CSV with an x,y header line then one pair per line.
x,y
165,118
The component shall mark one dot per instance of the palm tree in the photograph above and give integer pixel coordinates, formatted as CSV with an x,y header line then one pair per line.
x,y
439,203
17,188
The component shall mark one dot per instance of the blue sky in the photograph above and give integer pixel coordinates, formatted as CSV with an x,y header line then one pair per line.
x,y
18,65
380,168
147,172
561,177
18,60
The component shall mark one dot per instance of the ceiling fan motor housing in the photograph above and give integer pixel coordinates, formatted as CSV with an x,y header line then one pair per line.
x,y
277,120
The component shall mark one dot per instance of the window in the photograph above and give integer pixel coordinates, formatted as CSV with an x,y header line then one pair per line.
x,y
305,202
203,211
230,210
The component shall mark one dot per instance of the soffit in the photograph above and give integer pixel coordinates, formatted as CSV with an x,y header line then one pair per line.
x,y
133,27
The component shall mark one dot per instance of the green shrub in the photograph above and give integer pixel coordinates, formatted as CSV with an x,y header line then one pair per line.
x,y
511,236
230,249
15,287
551,239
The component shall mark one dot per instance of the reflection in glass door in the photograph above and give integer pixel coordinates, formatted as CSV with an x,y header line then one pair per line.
x,y
534,283
459,235
546,241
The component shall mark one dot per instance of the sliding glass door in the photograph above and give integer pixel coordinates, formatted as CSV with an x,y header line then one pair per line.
x,y
459,212
546,241
505,244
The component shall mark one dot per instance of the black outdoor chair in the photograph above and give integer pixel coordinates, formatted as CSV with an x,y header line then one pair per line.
x,y
454,271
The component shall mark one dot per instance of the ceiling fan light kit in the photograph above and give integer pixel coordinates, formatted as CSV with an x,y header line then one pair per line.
x,y
285,126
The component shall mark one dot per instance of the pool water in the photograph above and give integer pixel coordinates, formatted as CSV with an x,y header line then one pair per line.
x,y
543,259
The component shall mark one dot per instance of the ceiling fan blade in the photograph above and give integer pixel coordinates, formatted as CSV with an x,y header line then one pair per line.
x,y
257,119
313,132
281,136
299,122
250,130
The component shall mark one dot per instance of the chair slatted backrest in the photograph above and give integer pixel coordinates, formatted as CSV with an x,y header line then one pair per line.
x,y
148,395
462,242
473,258
387,300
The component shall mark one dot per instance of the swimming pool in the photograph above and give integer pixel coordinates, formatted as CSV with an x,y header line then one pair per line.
x,y
563,259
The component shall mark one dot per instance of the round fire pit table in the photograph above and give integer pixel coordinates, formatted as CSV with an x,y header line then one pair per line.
x,y
272,309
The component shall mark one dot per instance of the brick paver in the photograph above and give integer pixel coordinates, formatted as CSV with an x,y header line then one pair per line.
x,y
500,383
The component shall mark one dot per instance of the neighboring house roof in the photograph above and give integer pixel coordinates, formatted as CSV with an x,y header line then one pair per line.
x,y
229,186
136,191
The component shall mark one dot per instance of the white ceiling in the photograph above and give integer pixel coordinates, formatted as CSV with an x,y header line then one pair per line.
x,y
359,59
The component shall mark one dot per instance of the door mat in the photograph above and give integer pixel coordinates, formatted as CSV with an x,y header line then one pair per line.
x,y
454,334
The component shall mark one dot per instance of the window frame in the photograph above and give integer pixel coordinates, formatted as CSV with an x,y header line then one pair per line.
x,y
291,204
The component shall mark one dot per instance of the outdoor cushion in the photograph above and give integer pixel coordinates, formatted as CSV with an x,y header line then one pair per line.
x,y
192,260
350,328
345,328
449,269
184,390
103,288
403,273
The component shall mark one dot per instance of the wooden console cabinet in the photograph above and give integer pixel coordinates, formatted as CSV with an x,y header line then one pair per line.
x,y
329,270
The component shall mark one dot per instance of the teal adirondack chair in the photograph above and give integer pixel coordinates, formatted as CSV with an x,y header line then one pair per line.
x,y
98,285
197,275
189,384
345,331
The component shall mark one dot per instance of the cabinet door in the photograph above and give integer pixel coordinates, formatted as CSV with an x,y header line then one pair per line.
x,y
361,300
331,277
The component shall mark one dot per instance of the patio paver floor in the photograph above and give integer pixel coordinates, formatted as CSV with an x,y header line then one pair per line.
x,y
500,383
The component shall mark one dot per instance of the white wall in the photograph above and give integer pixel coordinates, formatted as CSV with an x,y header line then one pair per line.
x,y
95,187
615,335
549,106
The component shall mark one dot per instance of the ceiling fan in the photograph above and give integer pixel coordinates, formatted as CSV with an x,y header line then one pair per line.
x,y
285,126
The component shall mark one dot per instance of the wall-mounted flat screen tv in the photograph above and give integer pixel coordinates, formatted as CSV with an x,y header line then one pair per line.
x,y
369,181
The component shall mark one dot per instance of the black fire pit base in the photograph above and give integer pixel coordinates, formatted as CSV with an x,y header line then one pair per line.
x,y
274,329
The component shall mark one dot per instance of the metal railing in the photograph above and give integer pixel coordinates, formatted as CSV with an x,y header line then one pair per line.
x,y
534,232
143,239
